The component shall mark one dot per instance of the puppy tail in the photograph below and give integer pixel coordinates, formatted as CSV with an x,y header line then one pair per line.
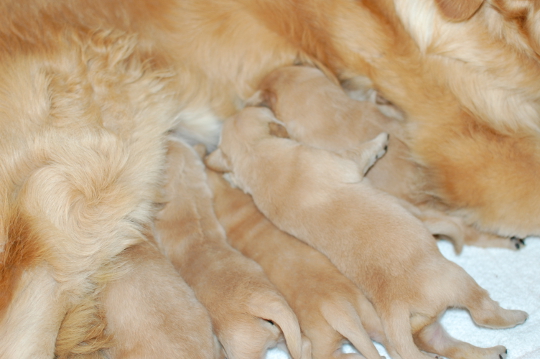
x,y
342,316
277,311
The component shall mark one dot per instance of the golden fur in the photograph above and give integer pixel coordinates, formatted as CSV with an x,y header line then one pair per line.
x,y
330,308
248,314
88,90
320,198
152,313
317,112
83,121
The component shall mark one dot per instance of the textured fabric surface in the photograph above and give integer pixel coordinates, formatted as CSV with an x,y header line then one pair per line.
x,y
513,279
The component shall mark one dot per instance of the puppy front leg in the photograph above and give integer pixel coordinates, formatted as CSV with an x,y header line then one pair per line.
x,y
152,313
367,153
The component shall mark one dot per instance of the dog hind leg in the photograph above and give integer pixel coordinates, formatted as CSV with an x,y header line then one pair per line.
x,y
434,339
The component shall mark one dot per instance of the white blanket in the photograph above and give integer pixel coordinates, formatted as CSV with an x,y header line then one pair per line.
x,y
512,279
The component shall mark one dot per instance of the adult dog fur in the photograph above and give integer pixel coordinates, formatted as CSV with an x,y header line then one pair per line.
x,y
80,81
318,197
84,115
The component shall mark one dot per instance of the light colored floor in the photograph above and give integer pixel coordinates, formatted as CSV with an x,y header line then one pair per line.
x,y
512,279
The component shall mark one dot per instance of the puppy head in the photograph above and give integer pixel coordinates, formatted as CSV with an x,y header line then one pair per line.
x,y
458,10
239,134
217,161
285,81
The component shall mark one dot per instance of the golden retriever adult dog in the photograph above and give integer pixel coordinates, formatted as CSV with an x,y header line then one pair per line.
x,y
84,115
319,197
89,89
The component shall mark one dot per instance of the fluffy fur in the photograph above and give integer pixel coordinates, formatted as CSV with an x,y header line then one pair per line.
x,y
83,119
89,88
319,197
248,314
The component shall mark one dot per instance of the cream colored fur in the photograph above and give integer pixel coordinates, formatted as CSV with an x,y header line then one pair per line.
x,y
320,198
152,313
330,308
89,88
317,112
248,314
83,150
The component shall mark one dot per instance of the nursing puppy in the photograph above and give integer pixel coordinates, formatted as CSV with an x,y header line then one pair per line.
x,y
248,314
317,112
81,97
319,197
152,313
329,307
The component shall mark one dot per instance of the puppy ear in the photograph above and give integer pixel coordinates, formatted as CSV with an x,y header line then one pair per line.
x,y
217,161
200,148
278,130
458,10
256,99
262,98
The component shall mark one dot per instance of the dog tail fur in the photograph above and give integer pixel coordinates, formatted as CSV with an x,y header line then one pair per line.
x,y
277,311
342,316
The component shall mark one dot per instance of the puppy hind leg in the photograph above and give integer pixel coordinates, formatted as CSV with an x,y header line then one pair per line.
x,y
397,326
370,320
434,339
248,337
485,311
276,310
344,319
367,153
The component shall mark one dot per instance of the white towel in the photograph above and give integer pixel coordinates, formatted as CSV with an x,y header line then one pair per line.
x,y
513,279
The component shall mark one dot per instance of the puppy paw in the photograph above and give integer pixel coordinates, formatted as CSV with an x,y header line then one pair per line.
x,y
516,242
382,142
376,148
500,352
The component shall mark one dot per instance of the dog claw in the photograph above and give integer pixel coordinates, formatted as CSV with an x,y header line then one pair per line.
x,y
518,242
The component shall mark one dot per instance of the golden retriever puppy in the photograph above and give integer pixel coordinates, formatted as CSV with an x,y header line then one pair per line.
x,y
415,54
320,198
152,313
317,112
88,89
248,314
329,307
